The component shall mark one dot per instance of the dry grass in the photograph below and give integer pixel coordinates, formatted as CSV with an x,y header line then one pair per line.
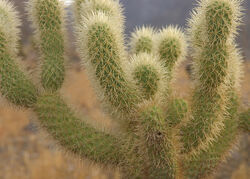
x,y
25,153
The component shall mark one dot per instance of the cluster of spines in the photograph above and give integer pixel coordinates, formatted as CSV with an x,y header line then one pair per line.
x,y
14,83
48,21
101,48
171,47
139,89
209,99
212,128
110,8
142,40
156,142
74,134
148,74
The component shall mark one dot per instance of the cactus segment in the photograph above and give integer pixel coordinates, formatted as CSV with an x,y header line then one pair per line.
x,y
142,40
47,17
103,47
158,142
14,83
204,164
211,70
109,7
171,47
176,111
148,74
74,134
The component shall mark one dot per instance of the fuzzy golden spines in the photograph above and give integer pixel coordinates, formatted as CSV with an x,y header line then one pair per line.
x,y
204,18
47,17
207,160
156,140
111,8
222,19
75,134
9,25
77,10
148,74
14,83
103,54
212,72
142,40
171,47
219,148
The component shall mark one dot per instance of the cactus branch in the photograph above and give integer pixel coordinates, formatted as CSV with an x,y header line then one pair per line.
x,y
48,20
14,83
74,134
212,67
142,40
158,145
148,74
103,47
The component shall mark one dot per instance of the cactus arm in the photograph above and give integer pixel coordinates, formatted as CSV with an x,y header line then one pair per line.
x,y
145,69
158,143
103,47
148,74
244,119
142,40
74,134
47,17
171,48
209,100
176,111
205,163
14,83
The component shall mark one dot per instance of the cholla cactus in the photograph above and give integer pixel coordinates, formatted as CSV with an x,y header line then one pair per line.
x,y
161,136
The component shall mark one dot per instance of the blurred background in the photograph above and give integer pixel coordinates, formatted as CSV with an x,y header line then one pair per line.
x,y
26,152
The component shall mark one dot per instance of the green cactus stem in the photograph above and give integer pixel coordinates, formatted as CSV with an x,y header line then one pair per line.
x,y
158,142
14,83
142,40
103,47
176,111
171,48
48,20
210,99
74,134
148,74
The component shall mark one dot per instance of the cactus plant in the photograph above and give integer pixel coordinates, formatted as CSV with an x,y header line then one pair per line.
x,y
161,135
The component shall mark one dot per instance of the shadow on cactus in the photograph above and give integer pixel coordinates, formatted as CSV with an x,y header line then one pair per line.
x,y
162,135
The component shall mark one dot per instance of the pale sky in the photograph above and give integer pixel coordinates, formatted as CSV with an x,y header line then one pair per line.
x,y
67,1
